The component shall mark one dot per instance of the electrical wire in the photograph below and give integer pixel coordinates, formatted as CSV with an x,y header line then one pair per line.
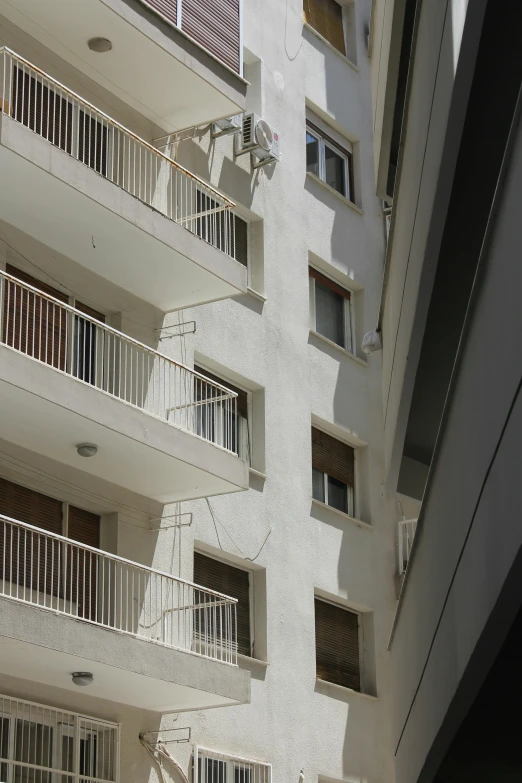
x,y
216,519
290,57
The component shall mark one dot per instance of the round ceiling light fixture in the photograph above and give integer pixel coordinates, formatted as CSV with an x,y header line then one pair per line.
x,y
87,449
82,678
99,45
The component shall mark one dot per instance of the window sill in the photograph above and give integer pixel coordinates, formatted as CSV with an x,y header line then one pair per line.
x,y
257,473
335,193
346,517
256,294
248,659
348,691
342,350
339,54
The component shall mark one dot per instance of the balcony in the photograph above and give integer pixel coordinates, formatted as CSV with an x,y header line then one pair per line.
x,y
406,534
90,189
189,67
162,430
150,639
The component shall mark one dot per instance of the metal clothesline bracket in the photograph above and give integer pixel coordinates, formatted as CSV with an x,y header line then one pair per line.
x,y
187,327
157,737
176,524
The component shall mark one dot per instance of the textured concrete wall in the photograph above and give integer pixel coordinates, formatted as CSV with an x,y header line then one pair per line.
x,y
292,721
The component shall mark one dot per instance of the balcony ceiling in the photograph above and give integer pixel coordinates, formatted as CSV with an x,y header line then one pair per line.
x,y
69,207
172,82
49,413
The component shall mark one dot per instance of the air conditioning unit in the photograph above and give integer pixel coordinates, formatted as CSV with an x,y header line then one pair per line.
x,y
227,126
258,138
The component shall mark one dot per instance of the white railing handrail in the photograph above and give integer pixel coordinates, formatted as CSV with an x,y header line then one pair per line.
x,y
117,558
229,394
228,202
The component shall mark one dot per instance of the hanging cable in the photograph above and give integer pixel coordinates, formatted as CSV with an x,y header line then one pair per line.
x,y
215,518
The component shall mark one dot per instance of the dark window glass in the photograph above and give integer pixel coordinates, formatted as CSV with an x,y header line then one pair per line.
x,y
329,314
312,154
215,770
318,485
334,166
243,773
337,495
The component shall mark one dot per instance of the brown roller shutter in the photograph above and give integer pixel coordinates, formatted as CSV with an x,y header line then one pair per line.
x,y
41,109
326,16
33,508
167,8
337,645
328,283
214,24
241,240
231,581
84,527
33,324
333,457
242,396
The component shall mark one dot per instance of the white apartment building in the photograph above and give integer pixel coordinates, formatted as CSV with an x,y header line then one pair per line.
x,y
193,519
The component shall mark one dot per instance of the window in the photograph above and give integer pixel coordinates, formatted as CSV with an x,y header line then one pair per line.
x,y
326,159
232,581
333,472
38,566
224,229
40,744
331,310
40,328
212,417
337,645
215,767
326,17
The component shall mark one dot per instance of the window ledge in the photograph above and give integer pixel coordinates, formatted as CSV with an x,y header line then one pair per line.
x,y
335,193
257,473
346,690
249,659
347,517
256,294
330,46
349,354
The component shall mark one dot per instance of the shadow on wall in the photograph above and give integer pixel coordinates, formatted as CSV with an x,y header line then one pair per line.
x,y
234,180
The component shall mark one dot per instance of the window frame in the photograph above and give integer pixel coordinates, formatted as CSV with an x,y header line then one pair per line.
x,y
360,641
356,511
342,6
350,496
50,717
200,368
325,141
251,588
349,315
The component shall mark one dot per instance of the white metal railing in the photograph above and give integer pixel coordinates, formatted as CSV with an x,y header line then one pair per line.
x,y
212,766
40,744
55,573
72,342
42,104
407,529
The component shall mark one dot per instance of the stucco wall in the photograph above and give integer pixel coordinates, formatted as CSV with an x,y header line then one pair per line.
x,y
292,722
